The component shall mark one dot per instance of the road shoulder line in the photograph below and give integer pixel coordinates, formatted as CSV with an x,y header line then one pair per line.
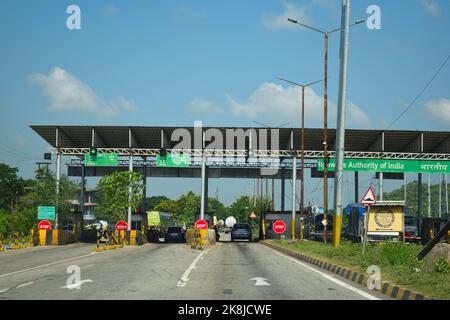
x,y
387,288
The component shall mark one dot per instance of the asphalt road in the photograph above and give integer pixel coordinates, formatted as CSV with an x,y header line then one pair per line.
x,y
239,270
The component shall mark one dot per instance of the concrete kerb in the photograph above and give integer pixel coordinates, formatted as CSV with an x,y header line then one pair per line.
x,y
392,290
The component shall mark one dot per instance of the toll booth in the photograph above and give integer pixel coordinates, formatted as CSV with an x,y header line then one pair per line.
x,y
269,217
136,222
430,227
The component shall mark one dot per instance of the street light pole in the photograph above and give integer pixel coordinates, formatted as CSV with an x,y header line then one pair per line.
x,y
302,144
302,176
340,128
325,97
325,141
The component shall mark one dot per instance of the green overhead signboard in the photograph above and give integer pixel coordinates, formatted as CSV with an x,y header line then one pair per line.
x,y
383,165
101,160
174,160
46,213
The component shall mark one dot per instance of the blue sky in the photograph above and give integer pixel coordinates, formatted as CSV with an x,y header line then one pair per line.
x,y
174,62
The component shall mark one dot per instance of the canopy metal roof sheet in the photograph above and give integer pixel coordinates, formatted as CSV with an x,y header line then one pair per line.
x,y
158,137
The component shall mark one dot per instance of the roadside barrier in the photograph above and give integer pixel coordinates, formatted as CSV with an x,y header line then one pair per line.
x,y
114,240
200,238
56,237
197,240
16,241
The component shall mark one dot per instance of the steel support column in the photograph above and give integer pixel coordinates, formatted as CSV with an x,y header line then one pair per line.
x,y
283,188
294,195
80,215
58,179
130,168
202,196
419,201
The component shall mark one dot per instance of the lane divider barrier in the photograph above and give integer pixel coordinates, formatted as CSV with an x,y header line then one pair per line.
x,y
114,240
17,240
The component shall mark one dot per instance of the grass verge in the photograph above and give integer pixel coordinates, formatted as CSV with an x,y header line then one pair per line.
x,y
397,262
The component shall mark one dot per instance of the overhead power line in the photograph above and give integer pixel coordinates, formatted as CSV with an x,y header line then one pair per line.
x,y
420,93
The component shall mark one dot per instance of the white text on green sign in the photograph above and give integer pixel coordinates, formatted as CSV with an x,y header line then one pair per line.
x,y
385,165
174,160
46,213
101,160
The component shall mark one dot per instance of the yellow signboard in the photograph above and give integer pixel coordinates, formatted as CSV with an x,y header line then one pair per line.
x,y
153,219
384,219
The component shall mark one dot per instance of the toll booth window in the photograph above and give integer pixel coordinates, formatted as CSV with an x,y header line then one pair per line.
x,y
136,225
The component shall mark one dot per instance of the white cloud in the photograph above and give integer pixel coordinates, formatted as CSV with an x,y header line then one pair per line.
x,y
67,93
127,105
21,140
294,11
186,12
432,7
108,9
439,109
203,106
356,117
331,5
272,102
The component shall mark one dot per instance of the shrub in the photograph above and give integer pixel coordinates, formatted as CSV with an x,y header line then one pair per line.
x,y
441,265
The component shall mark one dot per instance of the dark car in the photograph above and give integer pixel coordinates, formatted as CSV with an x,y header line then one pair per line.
x,y
241,231
175,234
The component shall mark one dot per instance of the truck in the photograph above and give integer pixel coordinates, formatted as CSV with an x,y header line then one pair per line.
x,y
157,224
313,223
356,214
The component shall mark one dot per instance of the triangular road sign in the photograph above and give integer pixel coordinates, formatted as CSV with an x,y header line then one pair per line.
x,y
369,197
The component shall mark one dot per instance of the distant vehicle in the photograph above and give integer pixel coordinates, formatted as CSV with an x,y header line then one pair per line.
x,y
175,234
157,223
355,228
411,227
241,231
356,214
230,222
100,227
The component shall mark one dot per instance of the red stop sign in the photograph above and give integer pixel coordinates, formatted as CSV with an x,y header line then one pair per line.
x,y
121,225
201,224
44,225
279,226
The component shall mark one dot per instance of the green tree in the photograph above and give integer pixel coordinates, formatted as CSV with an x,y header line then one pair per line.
x,y
5,220
117,196
12,187
189,205
42,192
241,208
412,197
217,208
152,202
169,206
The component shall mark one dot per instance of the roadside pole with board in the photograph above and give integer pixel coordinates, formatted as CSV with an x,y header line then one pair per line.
x,y
44,214
368,199
384,219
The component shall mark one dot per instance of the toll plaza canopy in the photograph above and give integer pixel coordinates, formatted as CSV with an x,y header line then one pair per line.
x,y
143,144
